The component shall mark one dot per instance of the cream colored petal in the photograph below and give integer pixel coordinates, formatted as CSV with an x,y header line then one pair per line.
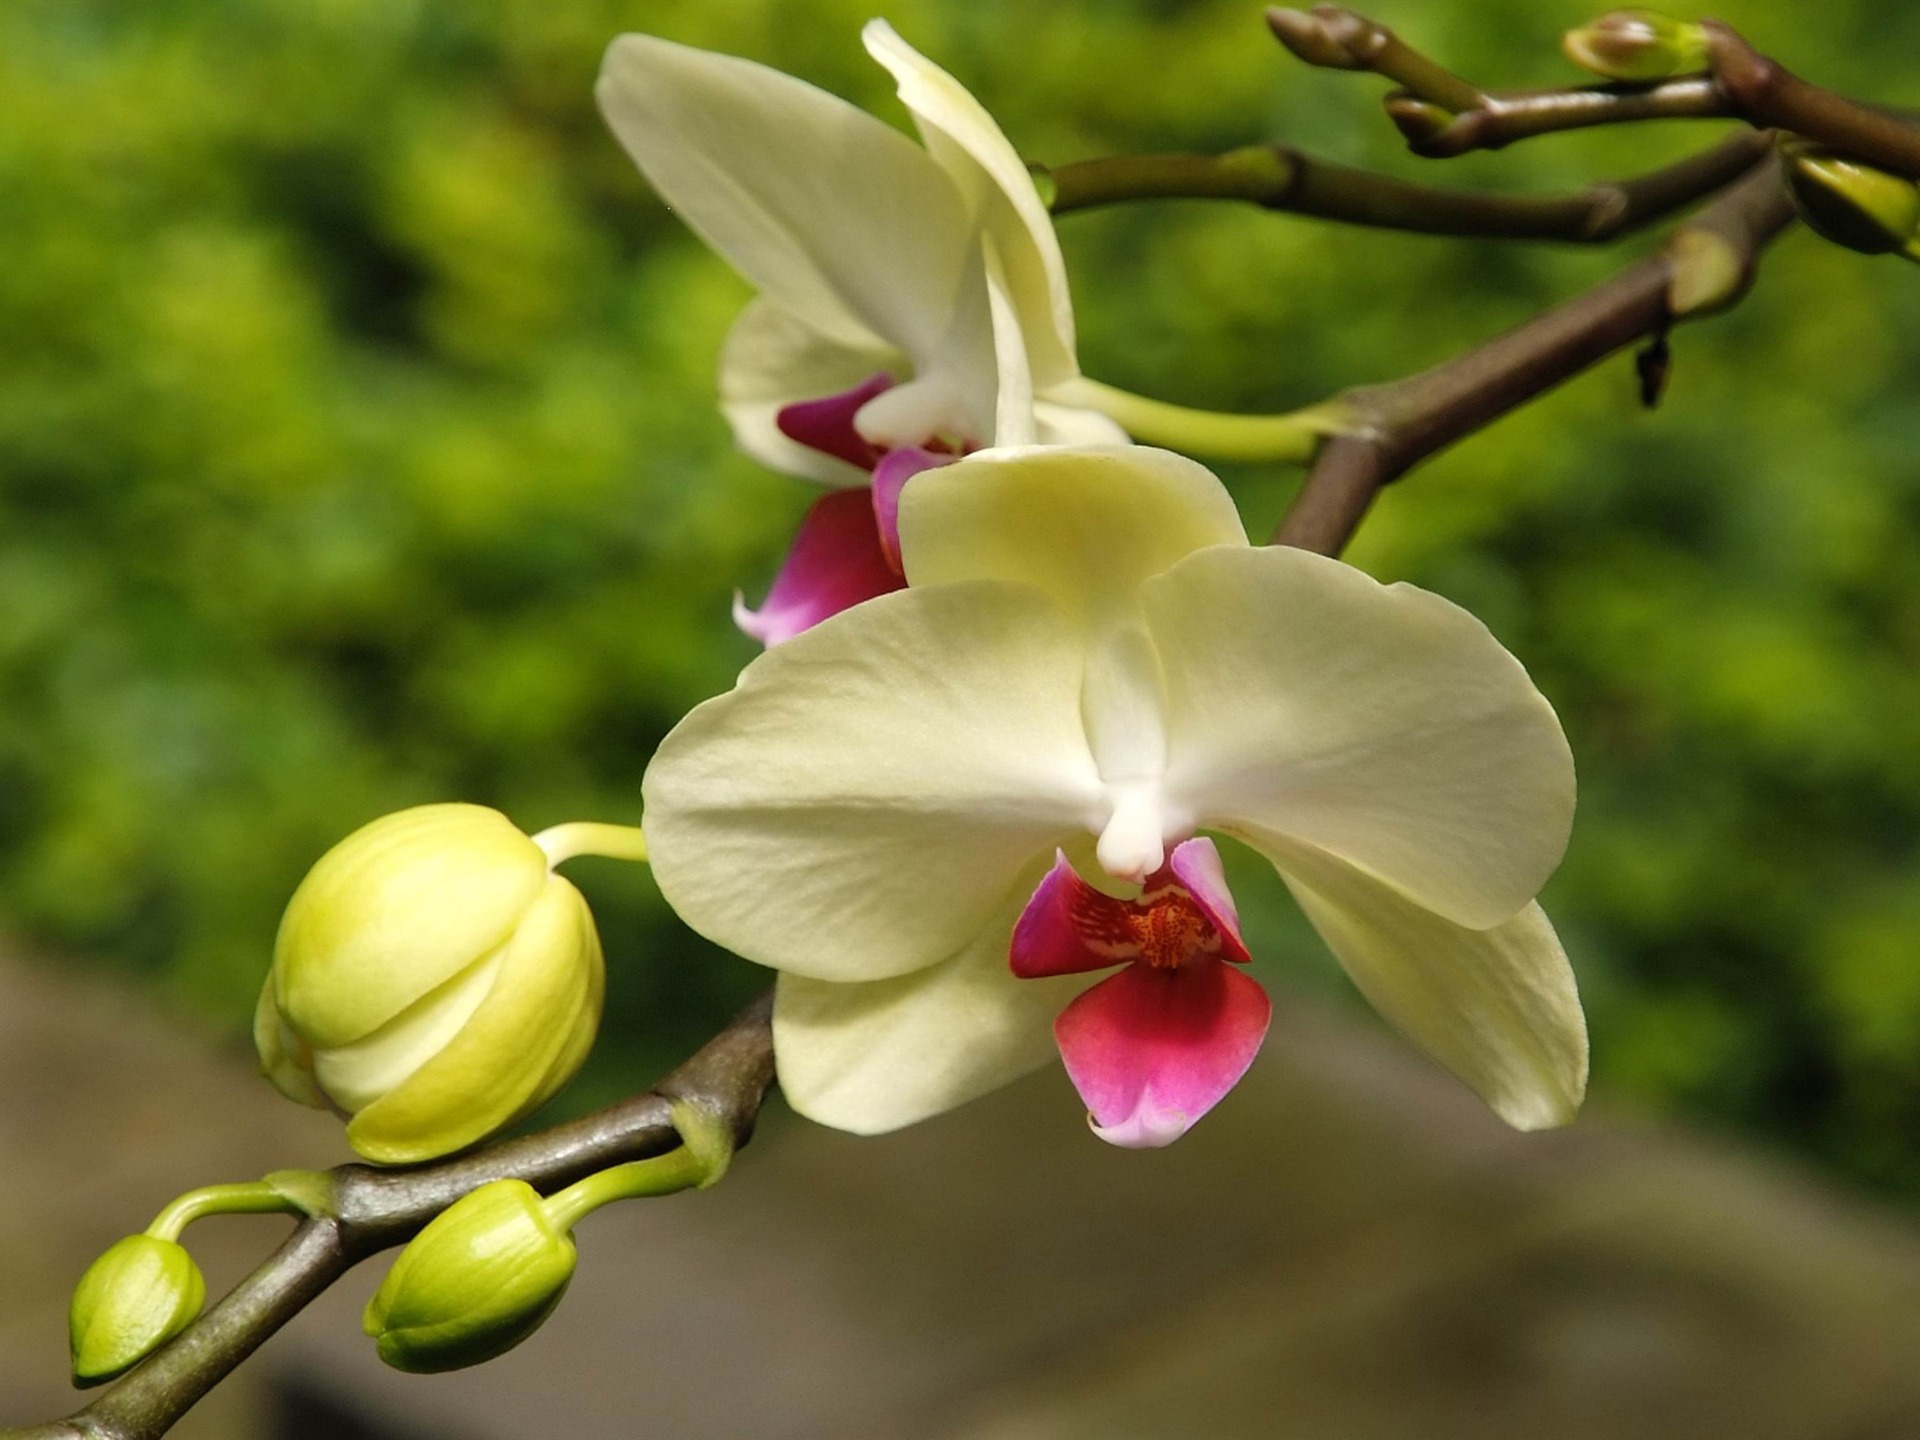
x,y
284,1057
834,215
858,805
1497,1007
396,910
502,1063
1059,424
1088,525
1309,704
963,137
954,395
876,1056
773,359
1013,422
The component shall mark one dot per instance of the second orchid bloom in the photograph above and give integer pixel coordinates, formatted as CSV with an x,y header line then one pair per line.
x,y
913,303
964,820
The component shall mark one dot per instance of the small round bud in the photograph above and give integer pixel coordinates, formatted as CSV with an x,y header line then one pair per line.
x,y
481,1277
1637,45
137,1296
1849,203
433,980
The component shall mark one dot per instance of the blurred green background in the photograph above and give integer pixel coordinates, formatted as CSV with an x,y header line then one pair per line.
x,y
358,448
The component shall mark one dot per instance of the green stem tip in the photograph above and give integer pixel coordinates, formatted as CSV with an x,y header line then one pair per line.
x,y
285,1192
699,1161
592,837
1293,438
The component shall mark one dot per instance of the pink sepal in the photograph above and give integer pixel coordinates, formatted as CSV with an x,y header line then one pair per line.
x,y
836,562
1152,1050
1069,927
1196,865
826,424
890,477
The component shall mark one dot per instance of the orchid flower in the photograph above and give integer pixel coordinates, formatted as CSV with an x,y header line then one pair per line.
x,y
912,301
963,820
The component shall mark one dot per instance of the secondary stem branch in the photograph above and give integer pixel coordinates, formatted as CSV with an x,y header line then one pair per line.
x,y
374,1210
1442,114
1706,266
1278,177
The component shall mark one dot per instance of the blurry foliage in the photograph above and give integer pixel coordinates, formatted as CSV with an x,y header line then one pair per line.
x,y
357,448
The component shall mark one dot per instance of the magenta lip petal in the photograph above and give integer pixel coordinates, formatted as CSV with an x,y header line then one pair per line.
x,y
836,562
827,425
1069,928
890,477
1152,1050
1196,865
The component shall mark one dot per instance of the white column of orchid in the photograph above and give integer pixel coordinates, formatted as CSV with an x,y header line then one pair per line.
x,y
942,813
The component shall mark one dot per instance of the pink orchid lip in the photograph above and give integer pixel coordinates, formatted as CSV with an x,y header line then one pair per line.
x,y
1154,1047
1152,1050
890,477
837,560
826,424
1069,927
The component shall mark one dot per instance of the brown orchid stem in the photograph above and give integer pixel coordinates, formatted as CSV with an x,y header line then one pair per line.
x,y
1278,177
1705,266
371,1210
1442,114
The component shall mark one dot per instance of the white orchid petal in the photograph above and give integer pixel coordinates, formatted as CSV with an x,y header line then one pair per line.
x,y
1087,525
859,805
773,359
842,220
1059,424
953,394
1013,417
1382,724
963,137
873,1057
1497,1007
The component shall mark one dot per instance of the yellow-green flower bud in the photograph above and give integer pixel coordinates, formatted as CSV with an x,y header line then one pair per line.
x,y
433,980
1849,203
1637,45
137,1296
481,1277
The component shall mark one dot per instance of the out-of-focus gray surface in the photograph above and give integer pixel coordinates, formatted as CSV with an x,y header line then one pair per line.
x,y
1349,1249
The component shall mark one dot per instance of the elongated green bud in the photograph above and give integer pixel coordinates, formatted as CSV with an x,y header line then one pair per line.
x,y
481,1277
137,1296
434,980
1637,45
1850,203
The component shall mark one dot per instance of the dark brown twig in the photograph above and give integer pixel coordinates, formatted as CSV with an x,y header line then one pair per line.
x,y
374,1210
1442,114
1704,267
1278,177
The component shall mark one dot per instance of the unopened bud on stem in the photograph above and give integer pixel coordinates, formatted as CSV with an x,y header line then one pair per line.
x,y
488,1270
1637,45
483,1276
137,1296
434,980
1849,203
